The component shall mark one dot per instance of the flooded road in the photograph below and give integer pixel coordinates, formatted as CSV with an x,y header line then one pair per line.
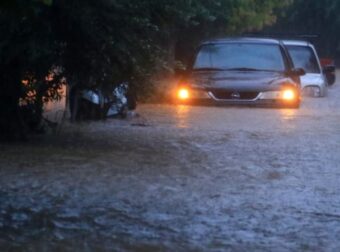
x,y
179,178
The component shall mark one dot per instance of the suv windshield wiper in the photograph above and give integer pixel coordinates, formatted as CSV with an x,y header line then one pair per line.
x,y
249,69
243,69
208,69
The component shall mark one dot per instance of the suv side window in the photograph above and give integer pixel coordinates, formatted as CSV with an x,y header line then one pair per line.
x,y
304,57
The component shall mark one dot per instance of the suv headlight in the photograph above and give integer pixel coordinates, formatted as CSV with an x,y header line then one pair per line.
x,y
288,95
183,94
312,91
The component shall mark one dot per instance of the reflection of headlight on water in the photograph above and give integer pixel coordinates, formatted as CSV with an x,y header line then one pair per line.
x,y
312,91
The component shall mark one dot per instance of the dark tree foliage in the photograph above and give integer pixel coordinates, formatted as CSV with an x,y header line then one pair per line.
x,y
103,42
317,17
28,53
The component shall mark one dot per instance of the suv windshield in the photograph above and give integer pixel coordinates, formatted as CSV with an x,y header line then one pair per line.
x,y
304,57
240,56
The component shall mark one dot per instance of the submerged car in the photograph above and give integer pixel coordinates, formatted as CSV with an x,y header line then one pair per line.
x,y
94,104
242,71
314,83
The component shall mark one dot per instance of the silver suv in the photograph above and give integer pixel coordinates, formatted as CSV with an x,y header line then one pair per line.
x,y
314,82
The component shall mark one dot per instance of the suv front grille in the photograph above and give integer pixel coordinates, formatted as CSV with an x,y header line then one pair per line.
x,y
234,95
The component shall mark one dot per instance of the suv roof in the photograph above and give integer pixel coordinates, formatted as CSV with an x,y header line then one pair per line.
x,y
242,39
296,42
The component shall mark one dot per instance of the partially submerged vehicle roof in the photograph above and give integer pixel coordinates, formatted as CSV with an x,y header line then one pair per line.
x,y
242,39
296,42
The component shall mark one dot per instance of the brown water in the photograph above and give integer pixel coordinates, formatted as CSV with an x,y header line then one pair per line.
x,y
179,178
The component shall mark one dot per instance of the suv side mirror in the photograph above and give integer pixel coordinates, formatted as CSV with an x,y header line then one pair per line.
x,y
180,68
328,69
297,72
180,72
329,72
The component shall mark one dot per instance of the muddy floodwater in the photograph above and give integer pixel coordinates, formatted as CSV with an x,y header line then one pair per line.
x,y
179,178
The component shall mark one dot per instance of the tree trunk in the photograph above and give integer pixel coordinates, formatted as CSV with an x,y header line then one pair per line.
x,y
12,126
171,51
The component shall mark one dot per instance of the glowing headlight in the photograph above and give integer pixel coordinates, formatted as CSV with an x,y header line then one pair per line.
x,y
288,95
183,94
